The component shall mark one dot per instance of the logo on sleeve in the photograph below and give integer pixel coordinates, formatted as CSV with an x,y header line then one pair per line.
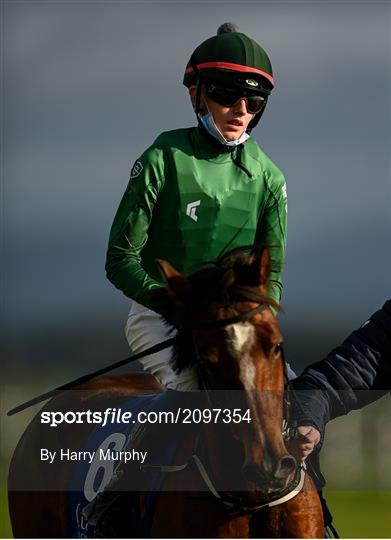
x,y
283,190
136,170
191,209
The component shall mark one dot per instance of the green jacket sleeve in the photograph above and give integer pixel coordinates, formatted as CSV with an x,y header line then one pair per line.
x,y
129,231
272,230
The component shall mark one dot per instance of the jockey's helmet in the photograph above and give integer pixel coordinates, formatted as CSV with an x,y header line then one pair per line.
x,y
234,60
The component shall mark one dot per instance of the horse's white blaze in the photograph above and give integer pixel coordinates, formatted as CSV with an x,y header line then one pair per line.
x,y
241,340
242,337
247,375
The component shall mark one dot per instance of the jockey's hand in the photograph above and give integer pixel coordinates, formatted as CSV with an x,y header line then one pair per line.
x,y
304,442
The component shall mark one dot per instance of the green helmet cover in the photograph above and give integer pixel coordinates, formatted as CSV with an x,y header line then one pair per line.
x,y
234,57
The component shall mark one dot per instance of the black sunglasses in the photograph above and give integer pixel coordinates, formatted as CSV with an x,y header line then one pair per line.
x,y
229,96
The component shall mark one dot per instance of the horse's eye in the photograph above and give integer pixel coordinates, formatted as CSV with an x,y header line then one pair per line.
x,y
278,349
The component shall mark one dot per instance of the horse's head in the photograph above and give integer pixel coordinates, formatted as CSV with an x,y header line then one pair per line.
x,y
227,329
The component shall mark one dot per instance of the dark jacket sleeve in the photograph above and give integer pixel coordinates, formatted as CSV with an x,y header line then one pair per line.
x,y
353,375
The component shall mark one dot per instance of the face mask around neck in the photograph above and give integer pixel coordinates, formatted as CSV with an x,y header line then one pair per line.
x,y
209,124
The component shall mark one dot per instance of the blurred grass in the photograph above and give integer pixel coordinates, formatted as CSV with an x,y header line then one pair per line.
x,y
5,525
361,514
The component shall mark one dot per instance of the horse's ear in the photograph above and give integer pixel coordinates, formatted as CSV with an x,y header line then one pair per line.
x,y
260,265
176,282
264,267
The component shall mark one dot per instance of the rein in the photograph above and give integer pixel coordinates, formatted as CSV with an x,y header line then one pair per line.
x,y
287,494
85,378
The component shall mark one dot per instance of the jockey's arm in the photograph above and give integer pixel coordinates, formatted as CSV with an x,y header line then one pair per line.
x,y
272,230
129,231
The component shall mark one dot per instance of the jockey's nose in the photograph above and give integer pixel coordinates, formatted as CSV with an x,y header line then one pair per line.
x,y
241,106
285,467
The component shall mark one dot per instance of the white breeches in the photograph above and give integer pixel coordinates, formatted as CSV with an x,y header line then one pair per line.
x,y
145,328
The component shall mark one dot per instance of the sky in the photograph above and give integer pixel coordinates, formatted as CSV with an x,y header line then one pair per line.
x,y
88,86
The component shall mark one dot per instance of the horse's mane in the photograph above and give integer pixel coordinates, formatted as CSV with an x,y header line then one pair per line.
x,y
232,277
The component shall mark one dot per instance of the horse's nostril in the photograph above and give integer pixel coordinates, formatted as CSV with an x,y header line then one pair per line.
x,y
285,467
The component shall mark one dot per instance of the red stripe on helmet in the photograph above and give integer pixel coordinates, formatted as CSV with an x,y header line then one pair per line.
x,y
233,67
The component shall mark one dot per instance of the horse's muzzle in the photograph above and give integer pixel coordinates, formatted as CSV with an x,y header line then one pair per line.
x,y
271,479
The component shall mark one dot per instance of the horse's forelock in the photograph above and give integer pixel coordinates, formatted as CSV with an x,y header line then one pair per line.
x,y
231,278
237,267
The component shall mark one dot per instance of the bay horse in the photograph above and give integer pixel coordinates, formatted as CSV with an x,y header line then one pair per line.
x,y
244,483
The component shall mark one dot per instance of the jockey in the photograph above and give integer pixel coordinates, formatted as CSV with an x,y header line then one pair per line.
x,y
193,193
197,190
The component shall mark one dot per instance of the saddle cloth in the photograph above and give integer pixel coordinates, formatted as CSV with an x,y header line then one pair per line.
x,y
91,475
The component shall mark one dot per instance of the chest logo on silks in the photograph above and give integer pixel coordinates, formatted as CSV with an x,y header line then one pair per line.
x,y
136,170
191,209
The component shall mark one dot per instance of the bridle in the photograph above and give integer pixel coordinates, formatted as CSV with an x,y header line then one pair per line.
x,y
241,294
247,294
